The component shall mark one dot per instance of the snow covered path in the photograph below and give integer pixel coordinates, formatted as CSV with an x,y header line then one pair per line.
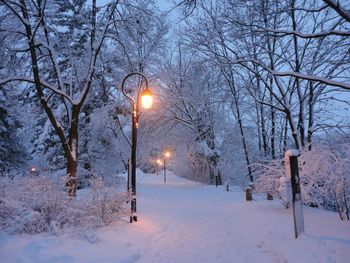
x,y
183,221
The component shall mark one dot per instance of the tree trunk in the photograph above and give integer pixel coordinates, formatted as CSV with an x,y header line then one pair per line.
x,y
294,130
258,124
72,164
273,125
311,115
231,82
71,184
245,148
263,141
283,143
72,159
263,128
300,125
271,49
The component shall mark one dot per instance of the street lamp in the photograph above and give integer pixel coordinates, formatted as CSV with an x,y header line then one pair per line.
x,y
160,163
145,95
166,154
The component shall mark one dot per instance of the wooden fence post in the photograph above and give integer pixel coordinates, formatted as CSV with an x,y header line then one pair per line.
x,y
292,172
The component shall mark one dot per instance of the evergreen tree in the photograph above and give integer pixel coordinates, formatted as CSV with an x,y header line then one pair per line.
x,y
12,152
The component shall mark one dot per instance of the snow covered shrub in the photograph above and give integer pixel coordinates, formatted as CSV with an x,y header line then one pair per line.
x,y
325,178
100,206
29,204
267,176
38,204
96,206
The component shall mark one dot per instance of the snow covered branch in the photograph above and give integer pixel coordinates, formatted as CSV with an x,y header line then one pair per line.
x,y
96,47
282,33
339,9
300,75
43,83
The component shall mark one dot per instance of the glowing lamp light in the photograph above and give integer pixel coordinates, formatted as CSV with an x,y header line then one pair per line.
x,y
167,154
33,170
146,98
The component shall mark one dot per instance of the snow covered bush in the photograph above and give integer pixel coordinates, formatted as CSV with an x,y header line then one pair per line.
x,y
324,176
39,204
267,176
99,206
29,204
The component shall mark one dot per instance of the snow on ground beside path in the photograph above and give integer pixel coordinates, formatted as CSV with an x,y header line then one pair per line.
x,y
183,221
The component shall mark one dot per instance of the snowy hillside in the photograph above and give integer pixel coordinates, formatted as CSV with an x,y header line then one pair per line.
x,y
183,221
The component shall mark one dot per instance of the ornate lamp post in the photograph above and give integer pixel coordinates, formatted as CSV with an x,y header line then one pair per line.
x,y
145,95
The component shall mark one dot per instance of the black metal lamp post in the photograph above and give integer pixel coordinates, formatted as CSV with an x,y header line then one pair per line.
x,y
146,100
165,155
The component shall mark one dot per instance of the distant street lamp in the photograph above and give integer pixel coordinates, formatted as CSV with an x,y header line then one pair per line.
x,y
160,163
34,171
166,154
145,95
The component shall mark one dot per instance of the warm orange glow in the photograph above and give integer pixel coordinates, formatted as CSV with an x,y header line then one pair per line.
x,y
159,162
33,169
167,154
146,98
147,225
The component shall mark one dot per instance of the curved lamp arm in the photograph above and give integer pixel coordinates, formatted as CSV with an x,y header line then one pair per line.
x,y
124,80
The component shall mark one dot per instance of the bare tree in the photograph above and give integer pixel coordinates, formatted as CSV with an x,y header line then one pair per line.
x,y
70,88
292,66
191,99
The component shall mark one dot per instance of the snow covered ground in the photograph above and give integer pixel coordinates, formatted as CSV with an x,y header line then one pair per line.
x,y
183,221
